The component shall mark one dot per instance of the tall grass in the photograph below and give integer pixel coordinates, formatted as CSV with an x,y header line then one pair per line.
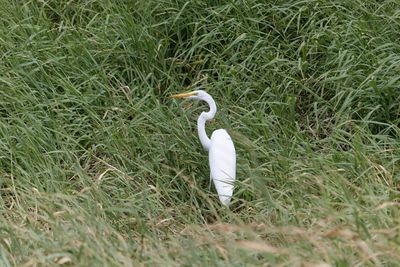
x,y
98,167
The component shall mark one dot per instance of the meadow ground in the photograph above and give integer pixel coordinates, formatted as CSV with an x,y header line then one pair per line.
x,y
98,167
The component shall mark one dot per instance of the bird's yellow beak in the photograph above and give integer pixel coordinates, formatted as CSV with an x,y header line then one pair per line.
x,y
183,95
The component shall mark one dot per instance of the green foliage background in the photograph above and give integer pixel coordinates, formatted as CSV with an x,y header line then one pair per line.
x,y
98,167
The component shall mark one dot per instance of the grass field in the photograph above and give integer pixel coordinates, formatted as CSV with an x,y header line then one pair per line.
x,y
99,167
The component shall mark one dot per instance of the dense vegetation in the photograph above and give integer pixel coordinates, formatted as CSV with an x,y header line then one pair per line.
x,y
98,167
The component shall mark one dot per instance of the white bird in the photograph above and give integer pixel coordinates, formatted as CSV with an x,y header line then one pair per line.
x,y
221,151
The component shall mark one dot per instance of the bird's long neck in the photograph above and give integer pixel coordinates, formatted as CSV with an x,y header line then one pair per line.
x,y
201,122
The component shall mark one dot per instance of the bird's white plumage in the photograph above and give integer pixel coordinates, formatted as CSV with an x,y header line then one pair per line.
x,y
221,151
222,159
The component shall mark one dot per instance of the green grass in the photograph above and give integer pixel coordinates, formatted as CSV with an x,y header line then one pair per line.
x,y
98,167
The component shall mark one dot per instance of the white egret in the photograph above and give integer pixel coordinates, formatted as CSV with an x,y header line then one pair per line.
x,y
221,151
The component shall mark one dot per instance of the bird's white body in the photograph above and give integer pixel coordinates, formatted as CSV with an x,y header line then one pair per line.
x,y
222,159
221,151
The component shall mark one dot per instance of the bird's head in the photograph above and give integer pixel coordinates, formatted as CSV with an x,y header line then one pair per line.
x,y
198,94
